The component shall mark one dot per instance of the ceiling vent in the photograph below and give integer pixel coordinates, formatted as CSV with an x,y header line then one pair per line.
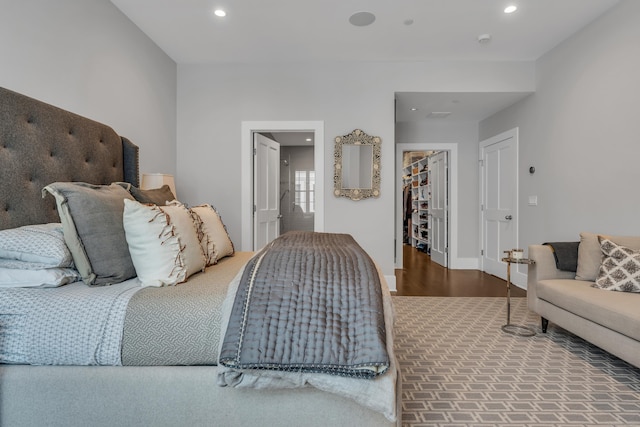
x,y
438,114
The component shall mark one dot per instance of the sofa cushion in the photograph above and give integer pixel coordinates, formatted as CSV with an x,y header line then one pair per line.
x,y
614,310
590,255
620,269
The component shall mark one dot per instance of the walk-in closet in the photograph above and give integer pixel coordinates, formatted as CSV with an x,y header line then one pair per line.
x,y
425,184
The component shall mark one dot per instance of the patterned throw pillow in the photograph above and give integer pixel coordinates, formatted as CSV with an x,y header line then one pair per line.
x,y
620,269
35,246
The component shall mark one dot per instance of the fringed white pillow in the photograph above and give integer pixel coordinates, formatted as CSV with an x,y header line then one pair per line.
x,y
163,243
215,239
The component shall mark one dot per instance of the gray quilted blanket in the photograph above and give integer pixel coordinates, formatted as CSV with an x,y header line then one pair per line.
x,y
309,302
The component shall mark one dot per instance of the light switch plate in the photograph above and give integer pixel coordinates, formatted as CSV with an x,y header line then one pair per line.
x,y
533,200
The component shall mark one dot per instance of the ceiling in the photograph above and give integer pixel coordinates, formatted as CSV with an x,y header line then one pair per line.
x,y
258,31
293,138
463,106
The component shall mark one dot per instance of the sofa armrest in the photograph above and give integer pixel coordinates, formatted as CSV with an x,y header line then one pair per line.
x,y
544,268
545,264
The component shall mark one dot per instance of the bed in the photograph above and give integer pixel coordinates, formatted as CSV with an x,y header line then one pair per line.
x,y
41,144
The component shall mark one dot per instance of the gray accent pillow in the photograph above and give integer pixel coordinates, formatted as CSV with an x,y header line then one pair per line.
x,y
91,217
156,196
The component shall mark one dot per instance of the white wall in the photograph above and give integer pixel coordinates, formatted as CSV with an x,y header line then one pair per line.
x,y
581,131
85,56
213,100
464,134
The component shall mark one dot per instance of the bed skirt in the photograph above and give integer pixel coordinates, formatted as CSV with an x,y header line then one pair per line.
x,y
163,396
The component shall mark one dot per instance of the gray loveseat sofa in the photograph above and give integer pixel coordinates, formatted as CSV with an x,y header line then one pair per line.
x,y
608,319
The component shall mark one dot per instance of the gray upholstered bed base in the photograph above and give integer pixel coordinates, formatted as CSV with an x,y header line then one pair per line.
x,y
40,144
162,396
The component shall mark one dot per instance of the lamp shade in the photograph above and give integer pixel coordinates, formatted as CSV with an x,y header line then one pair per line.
x,y
157,180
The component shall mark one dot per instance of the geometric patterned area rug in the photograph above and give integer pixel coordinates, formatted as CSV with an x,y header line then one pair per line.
x,y
459,369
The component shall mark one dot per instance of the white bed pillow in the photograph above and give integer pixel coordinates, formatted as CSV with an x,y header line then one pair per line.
x,y
41,244
163,243
216,242
44,278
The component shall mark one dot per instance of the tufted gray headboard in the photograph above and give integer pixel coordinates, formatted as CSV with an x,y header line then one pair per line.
x,y
41,144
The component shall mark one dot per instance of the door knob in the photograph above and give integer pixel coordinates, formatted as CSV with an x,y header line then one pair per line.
x,y
509,217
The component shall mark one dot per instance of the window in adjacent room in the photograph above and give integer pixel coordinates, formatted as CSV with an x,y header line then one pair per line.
x,y
305,190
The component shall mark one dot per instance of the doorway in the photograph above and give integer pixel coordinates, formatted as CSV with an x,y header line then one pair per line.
x,y
297,195
315,128
449,228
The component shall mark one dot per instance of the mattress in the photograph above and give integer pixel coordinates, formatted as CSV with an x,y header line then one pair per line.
x,y
179,325
157,326
68,325
121,324
159,331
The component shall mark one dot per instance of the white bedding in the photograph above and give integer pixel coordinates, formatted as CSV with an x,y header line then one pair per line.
x,y
70,325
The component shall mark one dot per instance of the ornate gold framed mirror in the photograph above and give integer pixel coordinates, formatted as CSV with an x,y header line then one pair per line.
x,y
357,166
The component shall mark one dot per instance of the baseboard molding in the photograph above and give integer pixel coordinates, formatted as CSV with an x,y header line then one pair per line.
x,y
519,279
465,264
391,282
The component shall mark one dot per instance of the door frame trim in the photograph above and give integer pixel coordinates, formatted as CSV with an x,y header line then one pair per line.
x,y
246,170
452,148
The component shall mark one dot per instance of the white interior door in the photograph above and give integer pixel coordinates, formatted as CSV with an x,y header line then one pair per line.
x,y
438,207
266,173
499,195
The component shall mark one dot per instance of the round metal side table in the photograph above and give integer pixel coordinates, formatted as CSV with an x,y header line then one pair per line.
x,y
510,328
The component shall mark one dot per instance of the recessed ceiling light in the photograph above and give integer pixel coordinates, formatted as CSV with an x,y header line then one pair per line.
x,y
308,139
510,9
220,13
362,19
484,38
413,109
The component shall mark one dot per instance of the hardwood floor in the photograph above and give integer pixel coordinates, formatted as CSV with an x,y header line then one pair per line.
x,y
422,277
